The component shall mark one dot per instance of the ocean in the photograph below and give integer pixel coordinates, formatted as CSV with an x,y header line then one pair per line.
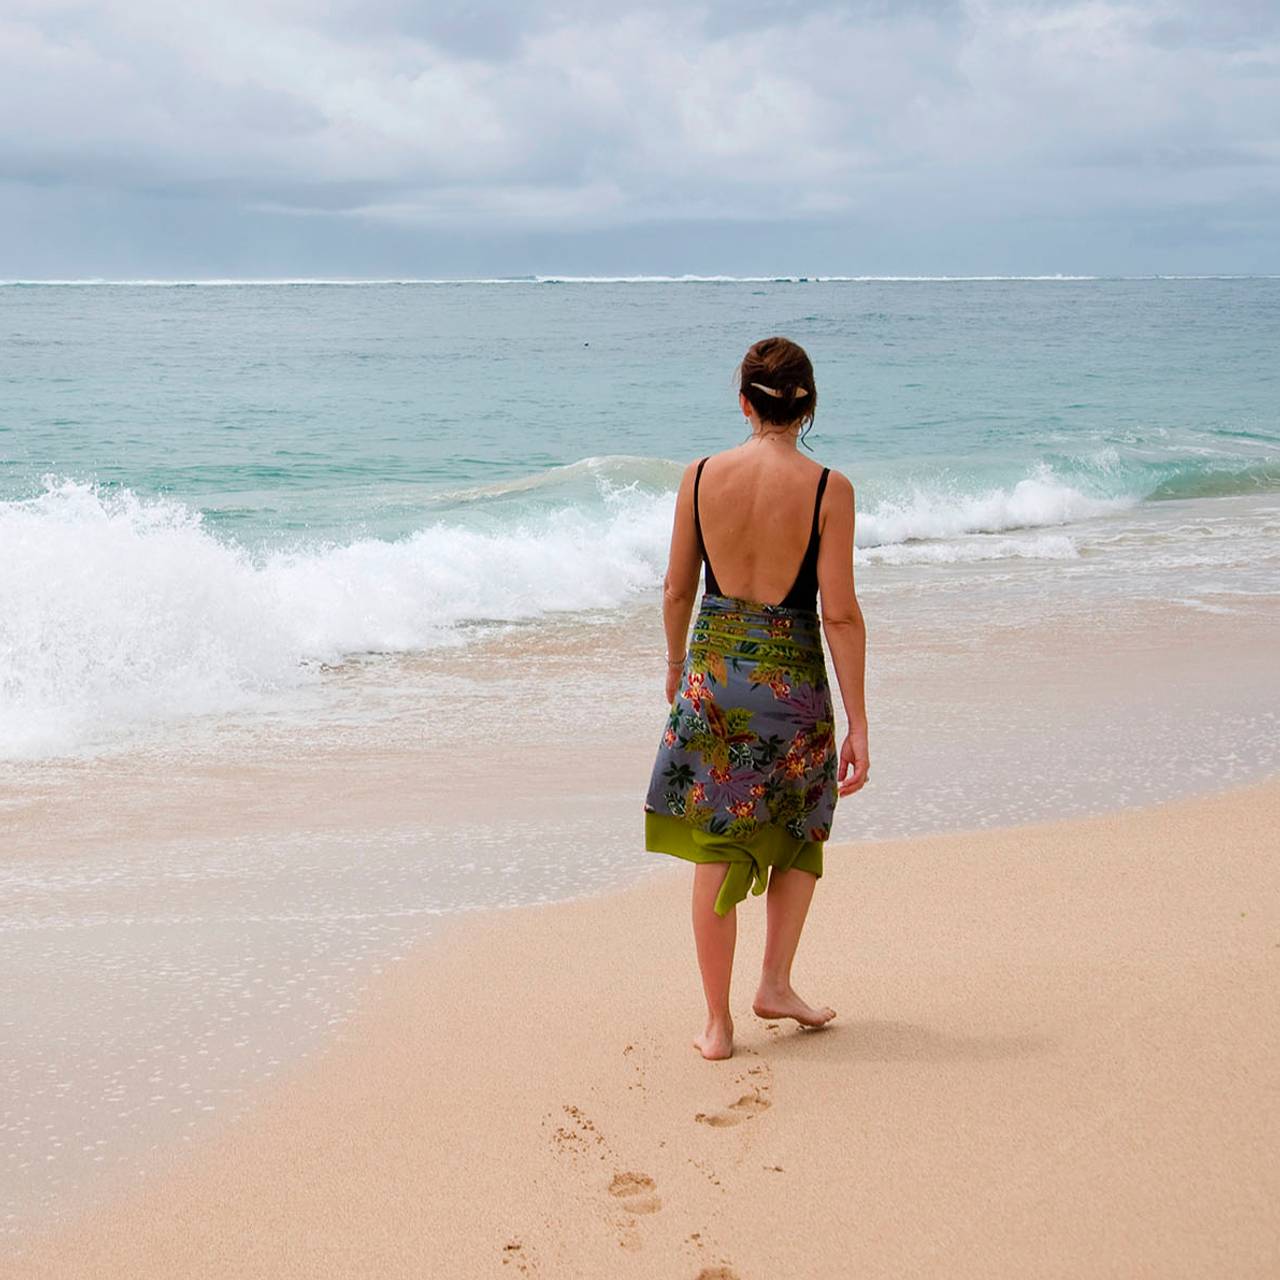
x,y
213,494
328,611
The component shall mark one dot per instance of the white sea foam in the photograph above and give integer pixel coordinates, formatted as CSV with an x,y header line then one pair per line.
x,y
117,610
781,278
1054,546
1037,500
216,282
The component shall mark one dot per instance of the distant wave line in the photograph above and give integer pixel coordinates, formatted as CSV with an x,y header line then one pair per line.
x,y
339,282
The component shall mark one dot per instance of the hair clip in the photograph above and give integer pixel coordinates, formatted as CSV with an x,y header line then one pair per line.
x,y
776,394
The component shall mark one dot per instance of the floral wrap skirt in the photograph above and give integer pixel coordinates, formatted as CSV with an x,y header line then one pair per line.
x,y
746,769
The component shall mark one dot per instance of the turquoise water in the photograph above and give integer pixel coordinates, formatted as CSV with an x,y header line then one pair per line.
x,y
331,410
205,488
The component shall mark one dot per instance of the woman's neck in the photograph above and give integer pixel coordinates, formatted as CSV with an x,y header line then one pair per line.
x,y
783,437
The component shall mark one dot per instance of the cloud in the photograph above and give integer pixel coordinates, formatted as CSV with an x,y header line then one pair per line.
x,y
521,116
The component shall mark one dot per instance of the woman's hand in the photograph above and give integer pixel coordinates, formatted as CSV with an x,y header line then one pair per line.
x,y
673,679
853,756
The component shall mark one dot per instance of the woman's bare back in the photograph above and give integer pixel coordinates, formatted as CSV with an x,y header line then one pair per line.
x,y
755,504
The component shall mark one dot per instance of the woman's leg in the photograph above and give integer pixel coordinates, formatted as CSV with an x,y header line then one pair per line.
x,y
715,937
787,905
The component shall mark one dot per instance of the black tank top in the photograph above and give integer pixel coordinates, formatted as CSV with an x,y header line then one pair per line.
x,y
804,591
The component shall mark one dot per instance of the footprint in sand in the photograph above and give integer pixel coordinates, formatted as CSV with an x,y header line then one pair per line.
x,y
636,1057
636,1192
745,1108
717,1273
514,1252
578,1135
756,1082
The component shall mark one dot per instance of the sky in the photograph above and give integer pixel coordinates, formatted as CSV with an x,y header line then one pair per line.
x,y
380,138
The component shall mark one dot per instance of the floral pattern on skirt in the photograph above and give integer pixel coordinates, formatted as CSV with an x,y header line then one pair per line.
x,y
750,738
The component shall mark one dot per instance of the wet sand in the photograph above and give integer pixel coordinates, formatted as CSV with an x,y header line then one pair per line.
x,y
1057,1054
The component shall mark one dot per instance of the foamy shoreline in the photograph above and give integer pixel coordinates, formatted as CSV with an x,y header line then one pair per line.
x,y
455,565
1056,1053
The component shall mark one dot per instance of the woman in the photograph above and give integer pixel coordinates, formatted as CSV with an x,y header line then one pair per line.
x,y
746,776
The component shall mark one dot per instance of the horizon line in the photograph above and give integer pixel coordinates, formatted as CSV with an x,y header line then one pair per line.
x,y
538,279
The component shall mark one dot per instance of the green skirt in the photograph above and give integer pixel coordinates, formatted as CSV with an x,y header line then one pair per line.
x,y
748,857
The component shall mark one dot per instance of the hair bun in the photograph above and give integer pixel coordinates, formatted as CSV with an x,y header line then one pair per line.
x,y
776,377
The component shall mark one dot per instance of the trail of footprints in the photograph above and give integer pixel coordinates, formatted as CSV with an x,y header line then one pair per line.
x,y
634,1194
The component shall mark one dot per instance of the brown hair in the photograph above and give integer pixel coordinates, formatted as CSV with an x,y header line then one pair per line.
x,y
784,367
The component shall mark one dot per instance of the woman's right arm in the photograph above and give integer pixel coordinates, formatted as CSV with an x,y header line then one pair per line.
x,y
680,585
844,626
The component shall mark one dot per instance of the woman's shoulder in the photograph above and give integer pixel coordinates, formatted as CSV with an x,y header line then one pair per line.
x,y
693,468
735,454
837,481
711,457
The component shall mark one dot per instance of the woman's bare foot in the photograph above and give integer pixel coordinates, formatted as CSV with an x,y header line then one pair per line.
x,y
716,1041
782,1002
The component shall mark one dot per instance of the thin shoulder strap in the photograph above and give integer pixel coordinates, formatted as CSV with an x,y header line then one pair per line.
x,y
817,506
697,519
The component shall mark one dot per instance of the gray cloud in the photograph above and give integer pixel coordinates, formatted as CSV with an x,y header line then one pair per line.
x,y
526,123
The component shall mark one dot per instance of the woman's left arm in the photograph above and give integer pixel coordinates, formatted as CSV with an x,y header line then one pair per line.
x,y
680,585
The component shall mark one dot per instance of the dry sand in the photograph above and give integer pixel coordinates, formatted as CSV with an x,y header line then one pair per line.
x,y
1057,1054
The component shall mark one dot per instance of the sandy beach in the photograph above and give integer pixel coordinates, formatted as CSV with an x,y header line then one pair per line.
x,y
1057,1054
